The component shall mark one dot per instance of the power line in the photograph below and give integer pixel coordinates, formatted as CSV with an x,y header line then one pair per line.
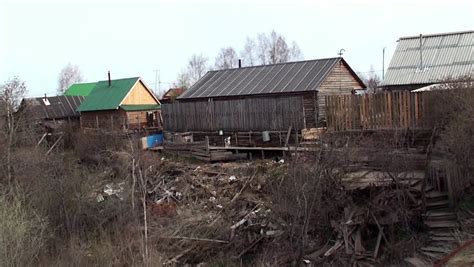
x,y
370,71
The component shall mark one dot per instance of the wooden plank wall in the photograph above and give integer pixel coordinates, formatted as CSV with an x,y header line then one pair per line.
x,y
249,114
107,120
446,176
389,110
138,119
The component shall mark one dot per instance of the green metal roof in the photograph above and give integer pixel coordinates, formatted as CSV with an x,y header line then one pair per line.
x,y
139,107
104,97
80,89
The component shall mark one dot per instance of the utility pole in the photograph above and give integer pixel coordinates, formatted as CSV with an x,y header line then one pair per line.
x,y
383,63
156,82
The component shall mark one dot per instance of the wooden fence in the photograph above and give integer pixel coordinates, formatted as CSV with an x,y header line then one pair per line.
x,y
390,110
247,114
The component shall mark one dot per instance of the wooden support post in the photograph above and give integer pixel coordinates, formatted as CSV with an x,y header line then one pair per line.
x,y
288,134
112,121
207,143
139,124
296,138
236,139
97,121
263,154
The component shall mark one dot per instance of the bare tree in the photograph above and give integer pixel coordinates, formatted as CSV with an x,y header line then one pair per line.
x,y
183,80
249,53
11,95
270,49
196,68
372,80
69,75
226,59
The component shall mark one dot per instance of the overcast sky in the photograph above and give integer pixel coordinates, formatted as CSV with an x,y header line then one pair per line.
x,y
135,38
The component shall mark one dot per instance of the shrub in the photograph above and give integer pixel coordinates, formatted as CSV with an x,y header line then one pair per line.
x,y
451,110
22,232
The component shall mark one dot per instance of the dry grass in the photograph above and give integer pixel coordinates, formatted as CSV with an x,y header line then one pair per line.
x,y
23,232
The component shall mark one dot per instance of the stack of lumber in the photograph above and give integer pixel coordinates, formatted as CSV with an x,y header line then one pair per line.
x,y
201,151
216,155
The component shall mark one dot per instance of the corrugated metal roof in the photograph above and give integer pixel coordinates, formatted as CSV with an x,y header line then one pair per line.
x,y
80,89
444,55
267,79
105,97
54,107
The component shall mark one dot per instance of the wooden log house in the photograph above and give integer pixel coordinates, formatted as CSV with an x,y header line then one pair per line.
x,y
121,104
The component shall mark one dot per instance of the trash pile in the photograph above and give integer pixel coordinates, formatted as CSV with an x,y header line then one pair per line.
x,y
372,225
200,211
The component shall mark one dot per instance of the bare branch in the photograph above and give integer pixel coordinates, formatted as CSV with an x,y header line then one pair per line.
x,y
226,59
69,75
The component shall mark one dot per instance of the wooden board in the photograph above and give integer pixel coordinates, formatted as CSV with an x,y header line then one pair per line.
x,y
139,95
389,110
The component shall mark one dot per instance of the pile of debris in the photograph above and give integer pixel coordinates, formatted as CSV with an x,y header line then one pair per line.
x,y
198,211
370,226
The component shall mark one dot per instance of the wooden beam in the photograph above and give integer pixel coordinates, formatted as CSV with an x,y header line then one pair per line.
x,y
54,145
288,134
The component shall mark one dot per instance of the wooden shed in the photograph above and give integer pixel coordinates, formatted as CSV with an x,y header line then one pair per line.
x,y
121,104
262,98
50,112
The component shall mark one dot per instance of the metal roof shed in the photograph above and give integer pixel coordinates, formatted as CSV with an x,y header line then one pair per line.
x,y
267,97
422,60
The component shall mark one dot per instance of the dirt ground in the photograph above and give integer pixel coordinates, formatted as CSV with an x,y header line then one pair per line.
x,y
464,258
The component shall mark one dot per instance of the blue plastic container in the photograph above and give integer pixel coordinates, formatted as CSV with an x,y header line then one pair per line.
x,y
154,140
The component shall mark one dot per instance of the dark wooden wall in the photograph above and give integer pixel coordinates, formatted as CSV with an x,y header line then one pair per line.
x,y
117,120
264,113
107,119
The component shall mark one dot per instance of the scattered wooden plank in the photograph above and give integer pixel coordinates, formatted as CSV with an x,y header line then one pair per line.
x,y
417,262
443,238
436,194
54,145
433,255
377,245
195,239
333,249
442,224
435,249
359,249
440,232
440,203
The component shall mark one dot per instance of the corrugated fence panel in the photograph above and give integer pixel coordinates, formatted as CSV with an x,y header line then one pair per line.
x,y
247,114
